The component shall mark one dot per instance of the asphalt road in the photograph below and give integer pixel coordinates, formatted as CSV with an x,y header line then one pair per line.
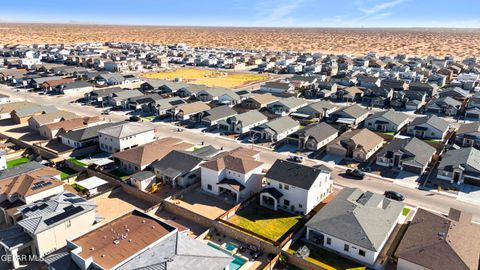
x,y
425,199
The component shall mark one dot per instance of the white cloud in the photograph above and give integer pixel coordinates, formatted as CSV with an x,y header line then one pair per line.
x,y
276,13
380,7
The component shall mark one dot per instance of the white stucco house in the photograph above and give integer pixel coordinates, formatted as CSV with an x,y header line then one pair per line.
x,y
125,136
295,187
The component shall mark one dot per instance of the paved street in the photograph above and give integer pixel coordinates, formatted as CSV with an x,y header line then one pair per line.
x,y
432,201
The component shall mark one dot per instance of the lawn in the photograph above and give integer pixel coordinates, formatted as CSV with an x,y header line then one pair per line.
x,y
78,162
16,162
120,174
266,222
65,172
405,211
209,78
149,118
326,259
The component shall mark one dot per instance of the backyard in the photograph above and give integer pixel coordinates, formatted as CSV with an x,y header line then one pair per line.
x,y
16,162
209,78
264,221
77,162
326,259
65,172
119,174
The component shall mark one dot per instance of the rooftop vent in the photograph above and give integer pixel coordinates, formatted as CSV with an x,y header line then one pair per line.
x,y
116,242
92,248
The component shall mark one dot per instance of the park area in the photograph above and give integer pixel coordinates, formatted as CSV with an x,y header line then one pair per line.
x,y
210,78
264,221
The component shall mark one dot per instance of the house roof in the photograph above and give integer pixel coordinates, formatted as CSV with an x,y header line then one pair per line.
x,y
322,105
126,94
353,111
125,129
48,213
148,153
195,107
278,125
415,150
467,158
264,99
106,91
319,132
438,242
473,127
8,107
177,163
392,116
364,219
89,132
77,84
29,111
220,112
21,169
294,174
51,117
248,118
361,138
237,163
72,124
433,120
291,102
30,183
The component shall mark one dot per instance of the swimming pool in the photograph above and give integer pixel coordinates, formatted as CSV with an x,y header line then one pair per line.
x,y
230,246
236,263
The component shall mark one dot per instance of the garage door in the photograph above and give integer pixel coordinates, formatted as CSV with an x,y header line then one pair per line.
x,y
412,169
471,181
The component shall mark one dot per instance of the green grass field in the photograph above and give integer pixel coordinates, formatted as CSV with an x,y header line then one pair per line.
x,y
405,211
78,162
65,172
16,162
266,222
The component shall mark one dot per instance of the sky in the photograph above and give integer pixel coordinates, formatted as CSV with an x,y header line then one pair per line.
x,y
249,13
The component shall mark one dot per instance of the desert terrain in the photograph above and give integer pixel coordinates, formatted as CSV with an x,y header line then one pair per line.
x,y
415,42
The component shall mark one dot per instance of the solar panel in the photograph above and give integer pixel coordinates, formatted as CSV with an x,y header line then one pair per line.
x,y
69,195
64,215
176,102
75,200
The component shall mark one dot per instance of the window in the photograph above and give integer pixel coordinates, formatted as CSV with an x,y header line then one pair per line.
x,y
361,252
286,187
68,224
286,202
346,247
280,186
369,124
300,206
329,241
209,187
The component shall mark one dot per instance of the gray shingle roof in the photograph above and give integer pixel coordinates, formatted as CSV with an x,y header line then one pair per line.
x,y
319,131
279,125
294,174
468,158
353,111
433,120
89,132
177,162
125,130
395,117
20,169
220,112
415,150
361,218
248,118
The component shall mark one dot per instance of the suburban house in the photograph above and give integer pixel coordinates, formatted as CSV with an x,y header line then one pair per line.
x,y
178,168
359,144
348,94
468,135
213,116
313,137
139,157
147,243
350,116
472,114
22,115
319,109
75,87
84,137
386,121
286,106
193,111
36,121
355,224
7,108
46,225
124,136
221,95
278,87
455,93
139,102
430,127
244,122
120,99
276,129
294,187
259,101
428,89
460,166
54,130
236,176
397,85
101,95
434,241
443,106
143,180
406,154
27,187
161,107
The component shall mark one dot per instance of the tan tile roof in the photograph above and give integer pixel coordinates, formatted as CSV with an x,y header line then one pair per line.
x,y
245,152
148,153
264,98
189,108
75,123
54,83
106,246
48,118
241,164
9,107
360,137
22,184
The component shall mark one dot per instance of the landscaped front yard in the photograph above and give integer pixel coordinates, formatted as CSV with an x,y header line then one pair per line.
x,y
16,162
264,221
326,259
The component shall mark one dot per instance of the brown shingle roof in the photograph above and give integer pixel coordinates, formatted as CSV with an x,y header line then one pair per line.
x,y
195,107
438,242
264,99
148,153
241,164
22,184
72,124
360,137
54,83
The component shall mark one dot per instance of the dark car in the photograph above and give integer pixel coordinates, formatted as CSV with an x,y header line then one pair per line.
x,y
134,118
355,173
394,195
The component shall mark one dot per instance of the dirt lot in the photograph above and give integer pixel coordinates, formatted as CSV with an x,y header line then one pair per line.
x,y
419,42
204,204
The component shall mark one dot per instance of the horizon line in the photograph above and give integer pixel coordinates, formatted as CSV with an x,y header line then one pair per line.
x,y
233,26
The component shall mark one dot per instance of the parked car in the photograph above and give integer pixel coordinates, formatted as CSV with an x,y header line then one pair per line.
x,y
105,112
355,173
134,118
394,195
294,158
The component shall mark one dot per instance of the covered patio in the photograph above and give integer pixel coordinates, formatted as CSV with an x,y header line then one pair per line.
x,y
231,187
16,243
269,198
